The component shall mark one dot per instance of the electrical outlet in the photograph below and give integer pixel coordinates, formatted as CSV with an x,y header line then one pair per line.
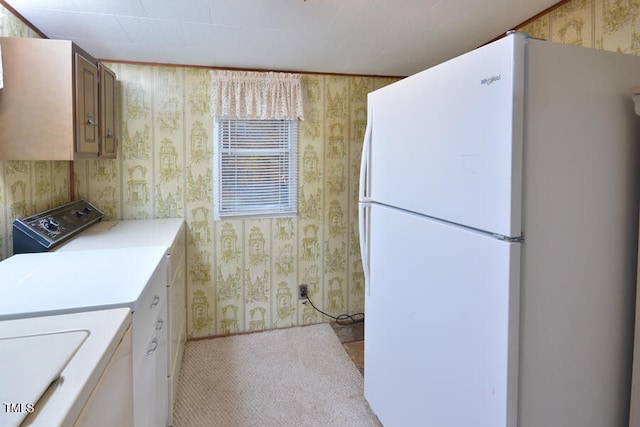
x,y
302,291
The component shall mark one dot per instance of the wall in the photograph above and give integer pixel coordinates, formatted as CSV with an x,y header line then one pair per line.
x,y
603,24
243,275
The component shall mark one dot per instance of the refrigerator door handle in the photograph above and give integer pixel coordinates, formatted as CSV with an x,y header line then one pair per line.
x,y
363,196
363,220
365,179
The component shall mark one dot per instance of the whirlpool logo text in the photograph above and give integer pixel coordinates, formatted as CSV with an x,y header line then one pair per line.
x,y
490,80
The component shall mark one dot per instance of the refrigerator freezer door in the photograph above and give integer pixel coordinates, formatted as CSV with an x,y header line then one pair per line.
x,y
449,356
447,142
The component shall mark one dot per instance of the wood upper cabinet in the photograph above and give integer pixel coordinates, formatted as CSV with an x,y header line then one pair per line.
x,y
53,105
109,113
87,119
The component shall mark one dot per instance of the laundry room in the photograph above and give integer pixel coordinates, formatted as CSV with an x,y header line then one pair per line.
x,y
161,201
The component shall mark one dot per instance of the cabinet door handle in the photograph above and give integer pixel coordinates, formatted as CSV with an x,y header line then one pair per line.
x,y
159,324
153,347
109,133
156,301
90,119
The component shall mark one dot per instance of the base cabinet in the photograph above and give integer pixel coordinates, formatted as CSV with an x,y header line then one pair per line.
x,y
177,312
132,390
150,348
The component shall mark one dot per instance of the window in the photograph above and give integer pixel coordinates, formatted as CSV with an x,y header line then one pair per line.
x,y
255,168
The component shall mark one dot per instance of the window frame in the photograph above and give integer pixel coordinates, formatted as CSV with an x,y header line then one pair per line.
x,y
241,151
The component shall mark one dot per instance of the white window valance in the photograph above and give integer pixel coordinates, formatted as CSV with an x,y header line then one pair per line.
x,y
255,95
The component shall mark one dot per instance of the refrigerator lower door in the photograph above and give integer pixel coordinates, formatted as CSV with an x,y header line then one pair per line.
x,y
441,323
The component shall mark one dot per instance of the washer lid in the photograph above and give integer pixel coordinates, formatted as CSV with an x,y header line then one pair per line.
x,y
29,365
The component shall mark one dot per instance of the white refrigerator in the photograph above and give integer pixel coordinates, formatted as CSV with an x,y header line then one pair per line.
x,y
499,219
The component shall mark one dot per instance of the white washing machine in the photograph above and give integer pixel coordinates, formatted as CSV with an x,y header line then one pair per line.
x,y
169,233
70,369
97,265
34,285
48,283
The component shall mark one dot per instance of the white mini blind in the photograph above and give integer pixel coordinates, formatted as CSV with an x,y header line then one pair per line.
x,y
256,173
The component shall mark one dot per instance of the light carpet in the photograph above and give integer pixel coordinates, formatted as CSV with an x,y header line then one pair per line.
x,y
299,376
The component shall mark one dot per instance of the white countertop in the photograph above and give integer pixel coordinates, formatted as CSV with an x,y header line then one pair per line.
x,y
64,282
126,233
64,400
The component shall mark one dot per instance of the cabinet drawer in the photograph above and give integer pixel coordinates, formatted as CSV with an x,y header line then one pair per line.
x,y
150,376
155,329
152,306
155,342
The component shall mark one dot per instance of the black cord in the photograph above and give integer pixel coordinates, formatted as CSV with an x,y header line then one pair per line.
x,y
343,319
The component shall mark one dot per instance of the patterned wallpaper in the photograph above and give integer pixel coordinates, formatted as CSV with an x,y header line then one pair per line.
x,y
603,24
243,275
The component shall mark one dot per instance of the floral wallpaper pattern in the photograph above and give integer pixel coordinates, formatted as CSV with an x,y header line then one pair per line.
x,y
243,275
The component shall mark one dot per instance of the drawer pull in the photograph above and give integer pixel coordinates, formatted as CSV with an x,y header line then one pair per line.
x,y
156,301
159,324
153,347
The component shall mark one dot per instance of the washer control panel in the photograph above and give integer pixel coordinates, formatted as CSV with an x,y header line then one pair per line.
x,y
53,226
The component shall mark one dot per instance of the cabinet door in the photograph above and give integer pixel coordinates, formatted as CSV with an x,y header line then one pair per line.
x,y
108,113
87,136
37,100
150,382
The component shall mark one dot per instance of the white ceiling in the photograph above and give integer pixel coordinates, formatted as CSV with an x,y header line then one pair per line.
x,y
374,37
